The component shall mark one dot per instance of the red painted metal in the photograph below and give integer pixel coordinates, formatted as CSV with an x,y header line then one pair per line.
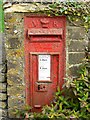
x,y
44,36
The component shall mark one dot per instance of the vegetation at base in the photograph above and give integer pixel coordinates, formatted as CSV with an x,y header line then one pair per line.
x,y
73,102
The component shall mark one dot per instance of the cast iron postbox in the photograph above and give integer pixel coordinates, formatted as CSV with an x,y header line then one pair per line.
x,y
44,58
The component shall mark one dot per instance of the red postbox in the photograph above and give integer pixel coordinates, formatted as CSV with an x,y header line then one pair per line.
x,y
44,59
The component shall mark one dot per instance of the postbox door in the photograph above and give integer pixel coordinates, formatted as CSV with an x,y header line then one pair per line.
x,y
44,79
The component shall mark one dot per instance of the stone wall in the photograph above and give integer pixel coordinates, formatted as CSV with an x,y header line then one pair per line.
x,y
15,60
76,41
3,78
3,68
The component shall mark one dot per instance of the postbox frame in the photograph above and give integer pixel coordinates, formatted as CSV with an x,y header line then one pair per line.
x,y
28,64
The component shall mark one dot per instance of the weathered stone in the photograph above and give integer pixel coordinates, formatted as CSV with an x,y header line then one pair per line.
x,y
11,112
44,1
76,33
3,105
0,113
14,90
15,55
3,87
14,101
12,64
13,71
3,112
4,68
74,71
1,53
89,47
77,46
89,42
2,49
3,96
24,8
76,58
89,34
2,77
14,43
14,80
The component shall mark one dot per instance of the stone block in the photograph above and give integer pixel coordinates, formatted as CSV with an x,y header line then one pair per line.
x,y
76,58
0,112
14,80
3,105
3,96
3,55
77,46
11,113
89,46
14,43
1,48
14,90
15,54
15,102
3,68
15,65
76,33
3,77
44,1
3,112
12,64
3,87
74,71
89,34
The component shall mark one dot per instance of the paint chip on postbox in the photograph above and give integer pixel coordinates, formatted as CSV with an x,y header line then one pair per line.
x,y
44,67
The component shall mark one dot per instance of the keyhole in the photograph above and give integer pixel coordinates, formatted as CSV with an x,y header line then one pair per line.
x,y
38,87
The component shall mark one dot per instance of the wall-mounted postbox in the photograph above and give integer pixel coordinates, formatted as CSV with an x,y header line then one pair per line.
x,y
44,58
